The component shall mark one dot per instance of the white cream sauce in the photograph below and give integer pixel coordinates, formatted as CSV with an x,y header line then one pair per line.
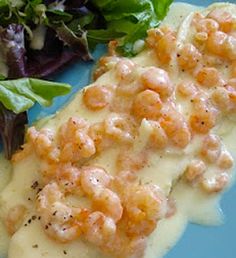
x,y
5,174
31,241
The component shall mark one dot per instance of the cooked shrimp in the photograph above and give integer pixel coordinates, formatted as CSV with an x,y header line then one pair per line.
x,y
175,126
15,218
97,97
224,19
105,64
158,80
99,229
225,160
108,202
207,25
154,35
215,184
144,206
119,127
221,99
68,177
124,68
147,104
99,136
194,171
83,147
75,143
204,116
211,148
158,138
94,179
215,43
188,57
44,145
209,77
68,130
186,89
61,222
165,47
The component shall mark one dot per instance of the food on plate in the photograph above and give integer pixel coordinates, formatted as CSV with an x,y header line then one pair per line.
x,y
38,37
16,97
120,171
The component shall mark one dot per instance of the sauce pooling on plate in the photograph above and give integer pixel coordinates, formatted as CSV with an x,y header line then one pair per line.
x,y
118,171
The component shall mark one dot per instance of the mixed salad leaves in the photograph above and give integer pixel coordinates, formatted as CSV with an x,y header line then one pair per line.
x,y
37,37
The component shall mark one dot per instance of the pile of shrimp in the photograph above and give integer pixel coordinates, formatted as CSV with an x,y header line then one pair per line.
x,y
122,213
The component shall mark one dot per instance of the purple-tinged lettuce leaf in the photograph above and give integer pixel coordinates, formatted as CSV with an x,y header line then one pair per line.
x,y
12,130
77,42
13,44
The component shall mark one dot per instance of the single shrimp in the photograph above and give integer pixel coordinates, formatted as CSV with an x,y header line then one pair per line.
x,y
97,97
82,146
99,136
68,130
124,69
60,222
147,104
68,177
215,184
158,80
105,64
153,36
144,205
43,142
211,148
165,47
186,89
225,160
221,99
175,126
93,179
119,127
215,43
99,229
108,202
188,57
194,171
209,77
158,138
204,116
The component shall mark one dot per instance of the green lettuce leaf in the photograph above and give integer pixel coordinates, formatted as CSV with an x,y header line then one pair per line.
x,y
21,94
132,19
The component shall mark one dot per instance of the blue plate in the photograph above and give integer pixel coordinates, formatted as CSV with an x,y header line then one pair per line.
x,y
198,241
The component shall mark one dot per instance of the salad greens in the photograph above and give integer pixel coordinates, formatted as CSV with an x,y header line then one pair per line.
x,y
37,37
70,29
21,94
